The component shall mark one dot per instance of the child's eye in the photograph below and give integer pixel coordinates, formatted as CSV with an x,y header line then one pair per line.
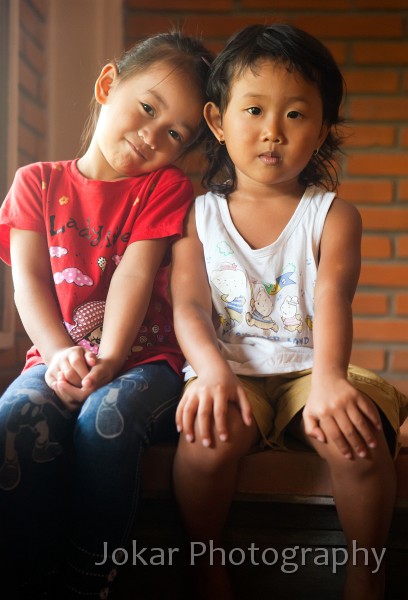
x,y
175,135
147,108
294,114
254,110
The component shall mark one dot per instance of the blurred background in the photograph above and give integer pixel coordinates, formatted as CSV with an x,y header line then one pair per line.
x,y
51,52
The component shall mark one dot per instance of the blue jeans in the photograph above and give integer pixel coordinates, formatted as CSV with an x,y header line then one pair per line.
x,y
69,482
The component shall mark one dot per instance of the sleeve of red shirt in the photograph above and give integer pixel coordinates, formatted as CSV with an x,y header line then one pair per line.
x,y
167,200
22,208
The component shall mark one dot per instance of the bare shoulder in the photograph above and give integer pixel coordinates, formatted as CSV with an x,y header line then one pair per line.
x,y
342,231
342,215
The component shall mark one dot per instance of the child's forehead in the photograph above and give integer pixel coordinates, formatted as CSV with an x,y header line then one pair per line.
x,y
160,74
264,69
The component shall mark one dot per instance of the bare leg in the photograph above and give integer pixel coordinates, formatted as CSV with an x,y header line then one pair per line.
x,y
204,485
364,493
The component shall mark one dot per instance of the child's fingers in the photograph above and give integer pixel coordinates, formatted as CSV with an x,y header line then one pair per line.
x,y
205,415
67,368
350,433
179,414
220,416
189,418
368,408
73,365
245,407
90,358
335,433
365,431
312,428
67,394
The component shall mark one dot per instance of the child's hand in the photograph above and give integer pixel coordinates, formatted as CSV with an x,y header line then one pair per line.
x,y
65,373
206,401
71,364
338,413
101,373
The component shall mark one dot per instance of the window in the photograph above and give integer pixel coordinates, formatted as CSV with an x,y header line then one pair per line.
x,y
8,143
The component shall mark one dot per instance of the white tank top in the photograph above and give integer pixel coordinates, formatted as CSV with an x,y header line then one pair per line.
x,y
263,299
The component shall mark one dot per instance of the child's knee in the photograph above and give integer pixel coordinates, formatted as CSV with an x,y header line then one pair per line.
x,y
207,460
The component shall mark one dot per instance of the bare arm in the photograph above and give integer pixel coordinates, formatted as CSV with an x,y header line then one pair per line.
x,y
216,384
39,310
126,306
335,410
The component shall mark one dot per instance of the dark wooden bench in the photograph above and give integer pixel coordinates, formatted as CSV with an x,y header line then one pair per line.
x,y
271,474
283,500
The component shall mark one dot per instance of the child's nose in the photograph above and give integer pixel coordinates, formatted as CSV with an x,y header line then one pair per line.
x,y
272,132
148,136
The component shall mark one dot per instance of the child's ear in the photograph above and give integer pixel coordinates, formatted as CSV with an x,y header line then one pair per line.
x,y
105,81
214,121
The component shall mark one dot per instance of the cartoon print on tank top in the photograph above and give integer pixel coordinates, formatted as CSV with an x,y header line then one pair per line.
x,y
262,303
231,285
261,309
292,320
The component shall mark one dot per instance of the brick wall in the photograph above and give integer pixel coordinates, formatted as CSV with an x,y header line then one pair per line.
x,y
369,39
32,104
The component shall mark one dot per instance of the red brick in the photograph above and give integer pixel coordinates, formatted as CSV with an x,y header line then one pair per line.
x,y
368,358
371,81
399,361
385,108
386,219
399,383
401,243
381,53
352,26
366,191
404,136
338,50
375,330
376,247
384,276
370,136
401,304
375,164
373,359
403,190
210,27
370,304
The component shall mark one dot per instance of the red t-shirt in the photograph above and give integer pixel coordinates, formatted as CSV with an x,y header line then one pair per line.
x,y
88,224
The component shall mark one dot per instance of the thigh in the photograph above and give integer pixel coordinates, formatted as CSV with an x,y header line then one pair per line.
x,y
34,425
142,401
113,429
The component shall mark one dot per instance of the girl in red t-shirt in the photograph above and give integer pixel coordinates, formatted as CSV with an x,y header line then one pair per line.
x,y
89,242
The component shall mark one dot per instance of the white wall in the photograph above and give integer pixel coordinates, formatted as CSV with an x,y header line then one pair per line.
x,y
84,35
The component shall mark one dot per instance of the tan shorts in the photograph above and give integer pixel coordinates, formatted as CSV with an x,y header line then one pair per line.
x,y
276,399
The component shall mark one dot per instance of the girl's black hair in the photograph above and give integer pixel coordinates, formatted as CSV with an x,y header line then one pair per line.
x,y
180,52
298,51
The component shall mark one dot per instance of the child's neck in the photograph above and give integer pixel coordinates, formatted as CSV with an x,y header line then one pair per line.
x,y
261,220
